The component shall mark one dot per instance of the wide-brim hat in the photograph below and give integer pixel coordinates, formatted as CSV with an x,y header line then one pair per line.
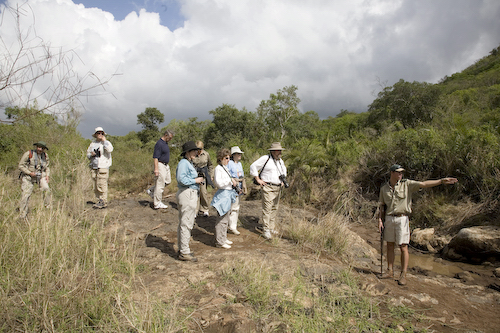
x,y
41,144
98,129
396,168
276,146
188,146
236,150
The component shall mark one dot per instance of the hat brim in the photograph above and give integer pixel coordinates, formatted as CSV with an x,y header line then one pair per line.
x,y
399,170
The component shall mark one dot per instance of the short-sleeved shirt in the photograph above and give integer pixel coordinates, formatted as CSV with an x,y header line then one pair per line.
x,y
398,199
162,151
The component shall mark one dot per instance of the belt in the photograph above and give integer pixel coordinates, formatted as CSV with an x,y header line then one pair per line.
x,y
397,215
273,184
163,162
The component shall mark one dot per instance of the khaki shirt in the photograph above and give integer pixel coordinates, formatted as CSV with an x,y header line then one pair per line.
x,y
398,199
36,163
203,160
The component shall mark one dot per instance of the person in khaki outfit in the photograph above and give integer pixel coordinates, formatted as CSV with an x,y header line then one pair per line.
x,y
395,205
99,154
34,167
269,172
203,165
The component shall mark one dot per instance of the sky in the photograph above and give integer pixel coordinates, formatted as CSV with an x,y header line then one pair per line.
x,y
187,57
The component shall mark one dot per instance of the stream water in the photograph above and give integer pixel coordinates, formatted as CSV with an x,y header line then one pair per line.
x,y
439,266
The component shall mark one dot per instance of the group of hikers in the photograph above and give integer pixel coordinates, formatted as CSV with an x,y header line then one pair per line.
x,y
195,172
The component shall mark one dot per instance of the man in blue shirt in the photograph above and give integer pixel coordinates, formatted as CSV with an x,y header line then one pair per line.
x,y
161,157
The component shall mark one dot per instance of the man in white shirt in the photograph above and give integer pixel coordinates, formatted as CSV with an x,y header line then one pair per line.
x,y
99,154
269,171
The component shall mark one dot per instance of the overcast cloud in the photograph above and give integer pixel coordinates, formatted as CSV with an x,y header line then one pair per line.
x,y
238,52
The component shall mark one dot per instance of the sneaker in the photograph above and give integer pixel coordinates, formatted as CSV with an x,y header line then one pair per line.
x,y
234,231
224,246
267,235
387,275
402,279
161,205
150,193
229,242
274,232
100,204
187,257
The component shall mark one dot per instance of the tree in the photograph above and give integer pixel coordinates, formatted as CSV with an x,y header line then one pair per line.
x,y
34,75
149,119
410,103
230,125
277,111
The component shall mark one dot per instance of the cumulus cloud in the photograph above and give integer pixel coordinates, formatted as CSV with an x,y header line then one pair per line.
x,y
238,52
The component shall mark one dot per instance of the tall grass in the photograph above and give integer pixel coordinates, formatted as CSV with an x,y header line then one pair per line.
x,y
60,273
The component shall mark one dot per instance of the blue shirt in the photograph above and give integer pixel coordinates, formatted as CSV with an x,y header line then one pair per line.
x,y
236,170
186,175
162,151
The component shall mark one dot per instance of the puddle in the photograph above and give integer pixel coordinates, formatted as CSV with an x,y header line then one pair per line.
x,y
438,265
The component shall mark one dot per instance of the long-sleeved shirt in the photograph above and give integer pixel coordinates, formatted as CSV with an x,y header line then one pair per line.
x,y
105,160
272,169
222,180
186,175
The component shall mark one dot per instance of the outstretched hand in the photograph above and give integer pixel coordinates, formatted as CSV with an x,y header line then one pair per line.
x,y
449,181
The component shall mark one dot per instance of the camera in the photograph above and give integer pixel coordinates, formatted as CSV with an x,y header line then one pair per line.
x,y
201,174
284,181
97,152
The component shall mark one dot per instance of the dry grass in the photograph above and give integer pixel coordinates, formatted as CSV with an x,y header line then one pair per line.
x,y
58,272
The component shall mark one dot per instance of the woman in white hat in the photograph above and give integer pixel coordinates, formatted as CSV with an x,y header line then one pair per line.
x,y
236,170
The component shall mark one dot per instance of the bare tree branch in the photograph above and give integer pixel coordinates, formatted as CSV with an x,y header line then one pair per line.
x,y
34,72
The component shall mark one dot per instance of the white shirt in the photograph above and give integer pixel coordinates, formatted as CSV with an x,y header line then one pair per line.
x,y
272,169
222,180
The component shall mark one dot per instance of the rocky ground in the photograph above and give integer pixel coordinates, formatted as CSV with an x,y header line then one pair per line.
x,y
468,302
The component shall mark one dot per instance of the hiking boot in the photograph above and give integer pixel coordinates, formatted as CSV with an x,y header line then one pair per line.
x,y
100,204
161,205
267,235
187,257
234,231
223,246
387,275
402,279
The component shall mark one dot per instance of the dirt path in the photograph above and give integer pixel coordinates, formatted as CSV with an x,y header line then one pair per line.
x,y
445,304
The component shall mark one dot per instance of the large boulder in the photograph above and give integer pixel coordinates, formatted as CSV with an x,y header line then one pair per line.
x,y
475,244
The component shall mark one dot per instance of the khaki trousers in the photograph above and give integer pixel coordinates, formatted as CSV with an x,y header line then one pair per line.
x,y
187,200
27,185
270,203
163,179
204,203
100,178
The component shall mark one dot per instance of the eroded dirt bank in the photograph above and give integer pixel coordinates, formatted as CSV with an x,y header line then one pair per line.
x,y
443,304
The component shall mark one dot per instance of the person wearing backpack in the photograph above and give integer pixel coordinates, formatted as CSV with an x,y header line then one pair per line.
x,y
34,167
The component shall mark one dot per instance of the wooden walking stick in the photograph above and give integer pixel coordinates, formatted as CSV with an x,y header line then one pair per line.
x,y
382,251
382,216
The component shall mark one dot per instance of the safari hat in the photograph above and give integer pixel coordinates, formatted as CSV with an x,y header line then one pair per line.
x,y
98,129
236,150
41,144
396,168
276,146
188,146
